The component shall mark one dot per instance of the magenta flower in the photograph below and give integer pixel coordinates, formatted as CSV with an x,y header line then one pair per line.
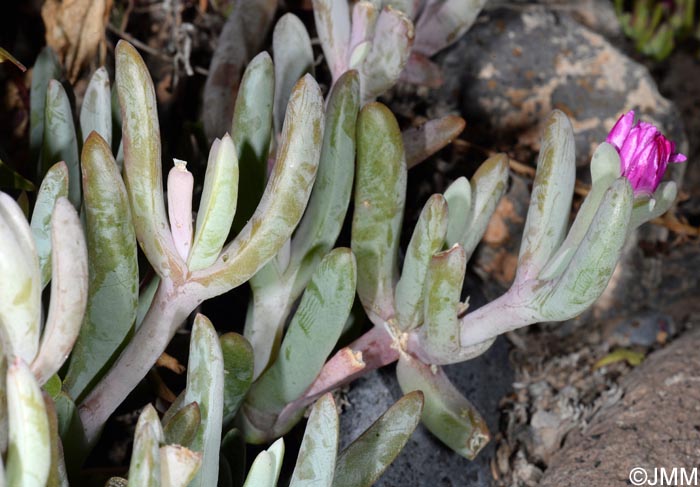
x,y
644,153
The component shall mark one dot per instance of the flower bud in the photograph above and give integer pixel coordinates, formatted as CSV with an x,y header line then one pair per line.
x,y
644,153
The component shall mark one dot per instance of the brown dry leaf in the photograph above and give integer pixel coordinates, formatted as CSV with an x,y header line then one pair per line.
x,y
75,29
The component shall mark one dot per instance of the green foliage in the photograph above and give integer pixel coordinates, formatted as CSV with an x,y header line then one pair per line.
x,y
656,27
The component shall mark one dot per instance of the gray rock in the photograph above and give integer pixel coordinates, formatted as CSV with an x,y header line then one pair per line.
x,y
516,65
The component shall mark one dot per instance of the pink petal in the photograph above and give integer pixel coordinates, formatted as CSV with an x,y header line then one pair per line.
x,y
621,130
678,157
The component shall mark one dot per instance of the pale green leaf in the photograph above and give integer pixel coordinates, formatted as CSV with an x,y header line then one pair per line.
x,y
439,334
427,239
205,383
459,201
316,460
332,21
29,451
251,130
238,372
550,202
46,67
69,291
285,197
142,160
112,265
60,142
217,205
294,58
20,283
364,461
447,413
592,264
96,112
319,228
310,338
53,186
380,191
487,186
391,47
145,468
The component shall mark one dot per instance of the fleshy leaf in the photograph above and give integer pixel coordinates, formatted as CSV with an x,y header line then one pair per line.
x,y
251,131
96,112
391,47
145,468
285,197
316,460
69,291
332,21
459,202
29,451
424,141
262,471
178,465
427,239
112,268
70,429
46,67
447,413
550,202
60,142
364,461
205,383
20,283
660,202
328,205
238,372
311,337
217,206
58,477
443,22
181,427
605,169
294,58
142,160
593,262
487,186
53,186
443,288
380,191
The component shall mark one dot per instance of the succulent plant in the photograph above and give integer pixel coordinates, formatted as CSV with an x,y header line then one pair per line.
x,y
656,27
419,318
378,38
277,189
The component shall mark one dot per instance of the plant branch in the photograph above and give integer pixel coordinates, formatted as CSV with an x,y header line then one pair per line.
x,y
171,306
371,351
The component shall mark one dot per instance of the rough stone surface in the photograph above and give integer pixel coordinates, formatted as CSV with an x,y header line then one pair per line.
x,y
655,424
425,462
518,64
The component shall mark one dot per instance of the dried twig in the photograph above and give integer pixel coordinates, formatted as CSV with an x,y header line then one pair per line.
x,y
153,52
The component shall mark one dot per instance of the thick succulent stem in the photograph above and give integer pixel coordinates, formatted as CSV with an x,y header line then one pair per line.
x,y
171,306
371,351
502,315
